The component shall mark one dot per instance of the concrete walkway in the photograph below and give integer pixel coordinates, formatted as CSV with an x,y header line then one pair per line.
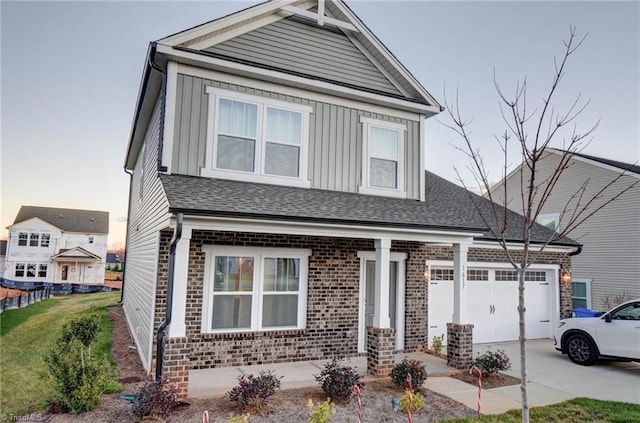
x,y
552,378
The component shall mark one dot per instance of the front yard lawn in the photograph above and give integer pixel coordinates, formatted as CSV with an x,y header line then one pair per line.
x,y
28,334
577,410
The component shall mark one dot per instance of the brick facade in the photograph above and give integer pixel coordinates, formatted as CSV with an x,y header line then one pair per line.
x,y
332,302
459,345
380,351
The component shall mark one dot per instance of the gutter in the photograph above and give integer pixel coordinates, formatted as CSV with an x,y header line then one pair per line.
x,y
577,251
177,234
126,231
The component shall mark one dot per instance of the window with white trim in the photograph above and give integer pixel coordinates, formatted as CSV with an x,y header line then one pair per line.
x,y
254,289
31,270
45,240
23,238
19,272
42,270
550,220
383,157
256,139
581,293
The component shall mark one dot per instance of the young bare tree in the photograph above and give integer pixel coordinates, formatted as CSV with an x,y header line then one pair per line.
x,y
530,133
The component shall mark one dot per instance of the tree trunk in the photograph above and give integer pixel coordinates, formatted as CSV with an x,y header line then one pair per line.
x,y
523,340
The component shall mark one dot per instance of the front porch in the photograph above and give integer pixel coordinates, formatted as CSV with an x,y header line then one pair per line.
x,y
206,383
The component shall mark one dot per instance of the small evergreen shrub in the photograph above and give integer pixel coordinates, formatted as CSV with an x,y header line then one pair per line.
x,y
322,413
338,380
156,398
437,343
255,391
238,418
492,362
79,378
415,368
416,402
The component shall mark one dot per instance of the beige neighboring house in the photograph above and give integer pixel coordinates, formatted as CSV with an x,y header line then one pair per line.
x,y
56,247
608,268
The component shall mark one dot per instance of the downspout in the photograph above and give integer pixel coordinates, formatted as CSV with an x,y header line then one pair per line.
x,y
126,231
177,234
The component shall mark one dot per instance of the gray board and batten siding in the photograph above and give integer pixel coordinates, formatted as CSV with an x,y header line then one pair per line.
x,y
146,219
309,50
335,137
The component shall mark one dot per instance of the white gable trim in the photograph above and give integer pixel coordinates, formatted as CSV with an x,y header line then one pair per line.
x,y
280,77
320,17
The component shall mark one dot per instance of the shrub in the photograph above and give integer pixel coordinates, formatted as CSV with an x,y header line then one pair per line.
x,y
415,368
416,402
240,418
322,413
156,398
253,390
437,343
492,362
337,380
79,379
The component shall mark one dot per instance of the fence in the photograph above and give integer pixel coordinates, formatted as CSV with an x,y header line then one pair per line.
x,y
23,299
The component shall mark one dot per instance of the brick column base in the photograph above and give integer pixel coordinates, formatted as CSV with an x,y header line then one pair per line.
x,y
459,345
380,350
175,366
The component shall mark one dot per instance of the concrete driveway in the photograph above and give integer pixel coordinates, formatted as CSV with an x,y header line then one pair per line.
x,y
554,378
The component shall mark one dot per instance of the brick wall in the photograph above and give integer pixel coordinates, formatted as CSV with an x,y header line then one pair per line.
x,y
333,298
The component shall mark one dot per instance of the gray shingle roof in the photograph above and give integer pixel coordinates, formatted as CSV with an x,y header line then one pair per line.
x,y
447,206
69,220
620,165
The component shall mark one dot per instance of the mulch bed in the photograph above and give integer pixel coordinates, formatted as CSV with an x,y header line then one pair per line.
x,y
488,382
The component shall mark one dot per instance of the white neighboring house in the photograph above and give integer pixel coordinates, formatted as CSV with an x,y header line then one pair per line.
x,y
56,246
607,271
3,255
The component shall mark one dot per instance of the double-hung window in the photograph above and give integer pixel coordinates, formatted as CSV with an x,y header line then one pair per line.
x,y
383,157
31,270
19,272
256,139
34,239
23,238
45,240
42,270
254,289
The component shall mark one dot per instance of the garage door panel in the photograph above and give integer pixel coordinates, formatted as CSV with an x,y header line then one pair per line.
x,y
493,306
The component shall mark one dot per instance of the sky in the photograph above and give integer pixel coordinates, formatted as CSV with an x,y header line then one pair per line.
x,y
70,73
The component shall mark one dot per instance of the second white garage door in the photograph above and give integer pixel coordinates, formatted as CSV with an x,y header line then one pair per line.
x,y
493,302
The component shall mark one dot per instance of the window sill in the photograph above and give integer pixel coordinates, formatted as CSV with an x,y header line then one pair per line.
x,y
393,193
255,178
255,334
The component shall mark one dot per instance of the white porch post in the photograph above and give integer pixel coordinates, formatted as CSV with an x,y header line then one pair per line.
x,y
381,309
177,328
459,283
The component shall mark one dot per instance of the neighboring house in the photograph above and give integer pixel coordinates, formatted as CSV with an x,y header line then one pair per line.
x,y
607,271
3,256
113,261
56,246
280,208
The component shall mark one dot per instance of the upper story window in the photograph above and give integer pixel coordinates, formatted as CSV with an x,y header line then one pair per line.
x,y
34,240
383,158
550,220
45,240
90,240
256,139
23,238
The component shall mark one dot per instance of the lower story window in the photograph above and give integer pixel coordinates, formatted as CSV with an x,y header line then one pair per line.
x,y
19,269
42,271
580,297
31,270
252,289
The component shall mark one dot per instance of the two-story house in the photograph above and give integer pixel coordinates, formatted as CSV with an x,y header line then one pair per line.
x,y
280,210
55,247
607,270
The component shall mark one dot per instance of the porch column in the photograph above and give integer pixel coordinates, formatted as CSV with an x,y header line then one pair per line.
x,y
460,332
381,308
459,283
177,328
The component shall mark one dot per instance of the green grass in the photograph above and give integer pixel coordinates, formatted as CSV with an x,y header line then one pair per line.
x,y
28,334
577,410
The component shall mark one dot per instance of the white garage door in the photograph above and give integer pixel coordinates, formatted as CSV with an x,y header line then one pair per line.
x,y
492,303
